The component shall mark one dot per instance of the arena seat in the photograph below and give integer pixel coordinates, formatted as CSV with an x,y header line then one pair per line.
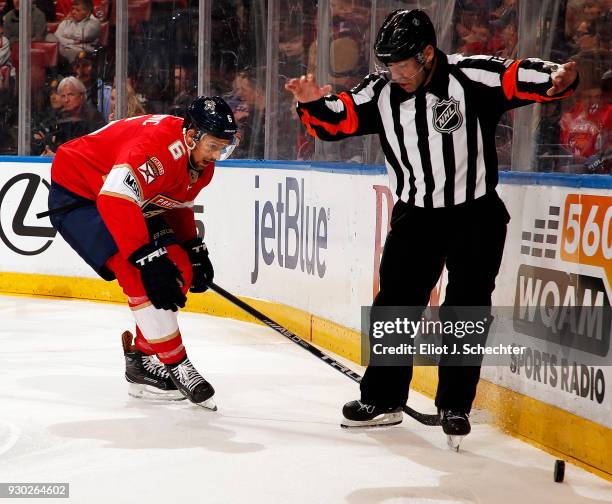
x,y
39,58
139,12
52,26
51,50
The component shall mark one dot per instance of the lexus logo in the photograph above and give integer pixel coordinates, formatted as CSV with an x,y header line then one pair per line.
x,y
11,192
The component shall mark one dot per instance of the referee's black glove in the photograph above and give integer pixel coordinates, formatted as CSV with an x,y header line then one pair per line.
x,y
203,272
161,279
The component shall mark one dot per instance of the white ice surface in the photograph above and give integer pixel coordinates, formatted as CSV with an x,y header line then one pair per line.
x,y
65,416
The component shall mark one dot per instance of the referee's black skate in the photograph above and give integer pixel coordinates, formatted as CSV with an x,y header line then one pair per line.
x,y
192,384
456,425
359,414
147,377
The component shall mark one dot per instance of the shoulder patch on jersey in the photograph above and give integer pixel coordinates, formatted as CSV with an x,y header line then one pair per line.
x,y
121,180
130,182
447,116
151,169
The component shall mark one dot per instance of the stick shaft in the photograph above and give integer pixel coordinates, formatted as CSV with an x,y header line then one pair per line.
x,y
421,417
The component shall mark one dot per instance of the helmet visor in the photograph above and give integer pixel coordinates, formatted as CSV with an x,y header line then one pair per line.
x,y
216,148
228,149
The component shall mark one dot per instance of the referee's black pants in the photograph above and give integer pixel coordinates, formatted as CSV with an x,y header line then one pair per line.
x,y
469,238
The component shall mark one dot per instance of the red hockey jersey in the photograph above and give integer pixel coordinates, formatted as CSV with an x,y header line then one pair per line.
x,y
134,169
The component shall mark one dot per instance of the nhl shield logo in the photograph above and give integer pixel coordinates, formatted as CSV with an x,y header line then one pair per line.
x,y
447,116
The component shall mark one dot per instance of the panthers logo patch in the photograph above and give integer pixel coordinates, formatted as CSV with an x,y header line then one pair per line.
x,y
151,169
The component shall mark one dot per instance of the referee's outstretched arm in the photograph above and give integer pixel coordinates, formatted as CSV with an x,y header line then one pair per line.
x,y
506,84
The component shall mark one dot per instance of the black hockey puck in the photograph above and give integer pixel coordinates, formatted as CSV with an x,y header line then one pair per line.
x,y
559,470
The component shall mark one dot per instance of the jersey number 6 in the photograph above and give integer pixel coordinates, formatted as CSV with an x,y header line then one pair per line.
x,y
177,149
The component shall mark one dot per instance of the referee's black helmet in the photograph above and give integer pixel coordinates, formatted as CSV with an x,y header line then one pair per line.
x,y
212,115
404,34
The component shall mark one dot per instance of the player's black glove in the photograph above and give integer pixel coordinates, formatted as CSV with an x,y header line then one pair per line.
x,y
203,272
161,278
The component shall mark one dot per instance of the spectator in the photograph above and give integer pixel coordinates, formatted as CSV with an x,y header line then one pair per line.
x,y
79,32
97,93
592,10
6,8
62,8
579,11
467,17
77,117
134,106
250,114
5,64
505,14
11,23
45,124
185,89
586,36
508,41
292,61
55,100
356,10
348,61
291,54
476,40
584,127
5,50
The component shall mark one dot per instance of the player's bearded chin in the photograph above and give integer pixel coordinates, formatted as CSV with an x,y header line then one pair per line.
x,y
194,171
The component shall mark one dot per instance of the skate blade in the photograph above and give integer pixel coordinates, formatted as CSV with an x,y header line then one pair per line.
x,y
384,420
142,391
454,442
209,404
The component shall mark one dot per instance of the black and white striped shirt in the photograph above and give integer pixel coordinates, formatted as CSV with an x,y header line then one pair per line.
x,y
439,142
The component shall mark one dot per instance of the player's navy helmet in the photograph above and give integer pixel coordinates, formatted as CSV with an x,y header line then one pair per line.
x,y
210,114
404,34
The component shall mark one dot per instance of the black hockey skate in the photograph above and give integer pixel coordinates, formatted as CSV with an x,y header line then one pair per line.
x,y
192,384
456,425
359,414
147,377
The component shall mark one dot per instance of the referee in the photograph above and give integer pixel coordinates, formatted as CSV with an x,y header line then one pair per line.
x,y
435,115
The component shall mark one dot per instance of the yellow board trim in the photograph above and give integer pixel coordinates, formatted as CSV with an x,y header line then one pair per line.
x,y
552,429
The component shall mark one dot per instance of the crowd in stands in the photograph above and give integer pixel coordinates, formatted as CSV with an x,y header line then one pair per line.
x,y
73,59
575,136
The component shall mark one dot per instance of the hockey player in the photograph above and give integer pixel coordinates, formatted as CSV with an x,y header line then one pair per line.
x,y
122,197
435,115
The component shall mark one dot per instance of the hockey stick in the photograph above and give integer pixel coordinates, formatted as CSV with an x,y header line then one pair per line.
x,y
423,418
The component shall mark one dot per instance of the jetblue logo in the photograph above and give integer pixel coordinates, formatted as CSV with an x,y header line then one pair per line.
x,y
446,116
289,232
